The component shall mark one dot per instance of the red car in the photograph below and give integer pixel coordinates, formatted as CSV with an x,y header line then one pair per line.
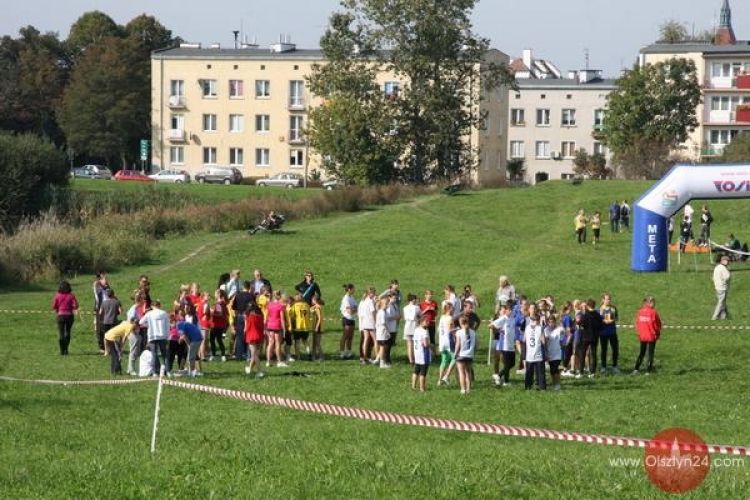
x,y
132,175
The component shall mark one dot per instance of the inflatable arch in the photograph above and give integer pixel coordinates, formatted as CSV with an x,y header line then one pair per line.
x,y
651,212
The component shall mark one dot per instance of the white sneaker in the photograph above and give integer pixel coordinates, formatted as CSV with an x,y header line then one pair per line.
x,y
268,364
374,361
384,365
577,375
281,364
496,378
260,375
506,384
463,391
567,373
223,358
591,375
291,359
210,358
248,371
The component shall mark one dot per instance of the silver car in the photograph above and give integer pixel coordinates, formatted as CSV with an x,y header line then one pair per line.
x,y
173,176
284,179
92,172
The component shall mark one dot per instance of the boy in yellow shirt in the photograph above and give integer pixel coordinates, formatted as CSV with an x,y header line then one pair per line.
x,y
300,314
114,338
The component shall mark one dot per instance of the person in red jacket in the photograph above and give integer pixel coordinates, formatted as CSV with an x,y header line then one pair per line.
x,y
648,327
65,305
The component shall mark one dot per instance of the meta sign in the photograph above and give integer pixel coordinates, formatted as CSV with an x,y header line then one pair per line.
x,y
651,212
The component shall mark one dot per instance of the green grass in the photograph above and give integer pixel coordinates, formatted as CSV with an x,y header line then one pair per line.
x,y
93,441
207,193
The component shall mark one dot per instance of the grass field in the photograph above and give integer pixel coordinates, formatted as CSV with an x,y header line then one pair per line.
x,y
62,442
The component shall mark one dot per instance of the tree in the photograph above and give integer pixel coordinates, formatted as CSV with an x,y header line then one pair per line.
x,y
444,69
149,33
672,31
650,113
29,166
515,168
593,166
33,73
89,30
105,109
351,129
737,151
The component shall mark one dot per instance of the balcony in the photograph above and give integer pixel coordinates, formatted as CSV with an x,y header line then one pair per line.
x,y
177,135
296,137
712,149
296,102
739,116
176,101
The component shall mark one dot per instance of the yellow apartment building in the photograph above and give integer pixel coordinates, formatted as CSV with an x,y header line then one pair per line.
x,y
247,108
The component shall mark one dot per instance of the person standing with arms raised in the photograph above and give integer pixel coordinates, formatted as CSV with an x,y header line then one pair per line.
x,y
721,285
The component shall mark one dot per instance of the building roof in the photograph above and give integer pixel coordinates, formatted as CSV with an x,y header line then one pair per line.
x,y
566,84
235,54
517,65
741,47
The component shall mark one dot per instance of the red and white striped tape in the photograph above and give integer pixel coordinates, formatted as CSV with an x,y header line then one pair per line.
x,y
413,420
124,381
449,424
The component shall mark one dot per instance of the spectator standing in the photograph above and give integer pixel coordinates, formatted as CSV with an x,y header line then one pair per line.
x,y
308,287
670,228
348,309
100,288
109,310
688,212
648,328
706,220
65,305
624,216
721,279
239,305
686,233
157,322
428,308
614,217
259,281
580,222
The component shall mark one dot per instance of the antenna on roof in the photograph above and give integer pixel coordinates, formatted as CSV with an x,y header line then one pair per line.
x,y
586,58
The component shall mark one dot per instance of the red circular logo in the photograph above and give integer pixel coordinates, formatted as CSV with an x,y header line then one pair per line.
x,y
677,460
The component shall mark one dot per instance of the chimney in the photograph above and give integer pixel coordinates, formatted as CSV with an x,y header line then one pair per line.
x,y
526,57
572,74
236,38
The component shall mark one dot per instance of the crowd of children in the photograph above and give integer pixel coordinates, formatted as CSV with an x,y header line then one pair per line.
x,y
258,321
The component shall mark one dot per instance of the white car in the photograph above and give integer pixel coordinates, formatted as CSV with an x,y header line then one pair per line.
x,y
173,176
284,179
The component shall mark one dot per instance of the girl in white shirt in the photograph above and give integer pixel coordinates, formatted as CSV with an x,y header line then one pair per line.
x,y
446,343
412,315
381,333
366,313
465,345
534,352
348,310
552,335
422,356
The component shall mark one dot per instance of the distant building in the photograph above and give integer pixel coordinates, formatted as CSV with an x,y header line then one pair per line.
x,y
247,108
551,117
723,69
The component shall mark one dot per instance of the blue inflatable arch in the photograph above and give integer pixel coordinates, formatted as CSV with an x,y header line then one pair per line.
x,y
651,212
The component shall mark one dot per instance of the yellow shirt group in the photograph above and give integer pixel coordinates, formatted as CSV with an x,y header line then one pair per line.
x,y
120,332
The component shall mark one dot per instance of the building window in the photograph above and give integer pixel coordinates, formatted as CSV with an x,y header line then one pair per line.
x,y
262,157
722,137
177,122
209,156
209,88
236,89
177,155
209,122
542,149
177,88
542,117
295,128
392,89
569,96
568,149
296,93
236,123
517,149
568,117
296,158
599,149
262,89
517,117
262,123
236,157
598,119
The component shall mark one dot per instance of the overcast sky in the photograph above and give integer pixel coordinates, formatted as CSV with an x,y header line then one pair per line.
x,y
559,30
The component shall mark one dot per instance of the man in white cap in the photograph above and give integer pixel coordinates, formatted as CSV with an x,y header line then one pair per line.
x,y
721,284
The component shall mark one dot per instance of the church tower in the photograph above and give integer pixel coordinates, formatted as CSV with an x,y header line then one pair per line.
x,y
725,33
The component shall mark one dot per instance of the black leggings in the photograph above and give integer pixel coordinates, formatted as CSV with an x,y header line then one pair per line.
x,y
651,347
581,235
535,370
615,343
587,348
509,361
64,326
217,335
175,348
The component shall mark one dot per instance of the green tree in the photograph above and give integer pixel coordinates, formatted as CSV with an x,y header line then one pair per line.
x,y
593,166
444,69
515,168
351,130
33,73
30,167
650,113
149,33
105,109
672,31
737,151
89,30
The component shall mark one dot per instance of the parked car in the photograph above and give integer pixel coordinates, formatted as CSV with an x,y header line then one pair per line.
x,y
284,179
335,184
92,172
173,176
132,175
221,175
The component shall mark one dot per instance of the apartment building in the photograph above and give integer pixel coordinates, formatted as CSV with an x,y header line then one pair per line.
x,y
247,108
723,70
551,117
